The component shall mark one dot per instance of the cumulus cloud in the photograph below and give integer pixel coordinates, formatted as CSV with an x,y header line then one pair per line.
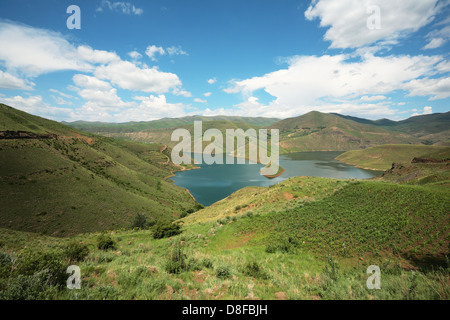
x,y
435,88
200,100
335,84
426,110
8,81
212,81
96,56
153,50
35,105
128,76
135,55
346,20
34,51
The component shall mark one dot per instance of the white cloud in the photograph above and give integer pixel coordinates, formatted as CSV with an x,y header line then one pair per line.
x,y
347,20
34,51
212,81
96,56
435,88
200,100
372,98
120,7
128,76
35,105
62,94
332,83
89,82
437,38
152,50
61,101
135,55
426,110
207,94
176,51
183,93
8,81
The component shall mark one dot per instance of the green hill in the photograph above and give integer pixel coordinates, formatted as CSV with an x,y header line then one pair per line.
x,y
60,181
105,127
305,238
431,128
316,131
382,157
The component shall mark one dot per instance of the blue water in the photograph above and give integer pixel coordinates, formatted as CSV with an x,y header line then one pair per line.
x,y
212,183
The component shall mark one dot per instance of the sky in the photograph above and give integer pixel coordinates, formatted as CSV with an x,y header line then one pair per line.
x,y
120,61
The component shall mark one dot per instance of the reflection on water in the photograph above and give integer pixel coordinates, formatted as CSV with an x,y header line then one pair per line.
x,y
212,183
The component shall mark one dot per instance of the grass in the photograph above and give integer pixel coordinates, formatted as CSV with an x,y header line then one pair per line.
x,y
382,157
215,259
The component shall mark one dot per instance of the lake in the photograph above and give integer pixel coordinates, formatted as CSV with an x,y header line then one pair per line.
x,y
212,183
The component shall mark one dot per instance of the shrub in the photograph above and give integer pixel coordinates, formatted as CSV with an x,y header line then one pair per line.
x,y
288,245
29,287
166,229
177,261
253,269
140,221
105,242
49,264
331,269
5,264
223,272
76,251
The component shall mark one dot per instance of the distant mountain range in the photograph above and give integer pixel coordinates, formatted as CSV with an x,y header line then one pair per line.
x,y
314,131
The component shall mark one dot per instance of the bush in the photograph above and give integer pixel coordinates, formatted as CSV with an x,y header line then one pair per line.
x,y
105,242
5,264
253,269
223,272
166,229
140,221
29,287
76,251
288,245
177,261
331,269
49,264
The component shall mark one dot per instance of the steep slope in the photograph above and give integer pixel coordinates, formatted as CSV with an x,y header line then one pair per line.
x,y
316,131
57,180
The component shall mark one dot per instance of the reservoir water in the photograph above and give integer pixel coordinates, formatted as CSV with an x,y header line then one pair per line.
x,y
212,183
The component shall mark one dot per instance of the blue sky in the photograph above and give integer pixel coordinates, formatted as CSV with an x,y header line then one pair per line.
x,y
144,60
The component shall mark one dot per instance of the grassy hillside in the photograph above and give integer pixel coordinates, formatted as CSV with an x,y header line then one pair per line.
x,y
382,157
431,128
306,238
73,182
317,131
104,127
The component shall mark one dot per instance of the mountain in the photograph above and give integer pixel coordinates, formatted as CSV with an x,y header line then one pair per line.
x,y
60,181
105,127
431,128
316,131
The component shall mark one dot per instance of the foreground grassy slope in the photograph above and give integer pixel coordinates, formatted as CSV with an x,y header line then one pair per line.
x,y
274,252
382,157
77,182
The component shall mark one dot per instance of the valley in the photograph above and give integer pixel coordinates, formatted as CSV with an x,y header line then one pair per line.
x,y
107,205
